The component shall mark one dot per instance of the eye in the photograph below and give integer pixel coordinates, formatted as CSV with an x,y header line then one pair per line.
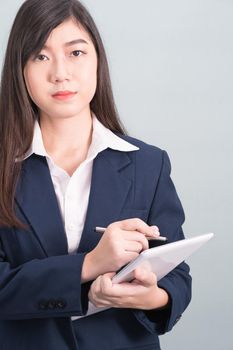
x,y
41,57
77,53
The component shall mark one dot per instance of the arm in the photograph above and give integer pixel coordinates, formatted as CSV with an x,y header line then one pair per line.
x,y
42,288
167,213
58,286
156,306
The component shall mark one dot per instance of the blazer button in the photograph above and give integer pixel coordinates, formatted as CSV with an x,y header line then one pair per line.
x,y
51,304
61,304
42,305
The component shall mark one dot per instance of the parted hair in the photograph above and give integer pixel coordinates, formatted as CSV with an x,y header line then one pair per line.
x,y
32,25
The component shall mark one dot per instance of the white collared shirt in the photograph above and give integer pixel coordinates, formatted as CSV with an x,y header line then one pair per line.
x,y
72,192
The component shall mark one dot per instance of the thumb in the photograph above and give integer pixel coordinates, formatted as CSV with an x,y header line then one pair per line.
x,y
144,277
109,274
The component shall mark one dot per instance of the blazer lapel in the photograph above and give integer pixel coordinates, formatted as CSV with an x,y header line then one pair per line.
x,y
111,182
37,199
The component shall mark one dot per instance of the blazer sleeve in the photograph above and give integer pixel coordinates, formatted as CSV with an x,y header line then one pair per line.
x,y
42,288
167,213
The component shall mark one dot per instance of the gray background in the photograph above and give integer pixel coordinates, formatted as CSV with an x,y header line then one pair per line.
x,y
171,68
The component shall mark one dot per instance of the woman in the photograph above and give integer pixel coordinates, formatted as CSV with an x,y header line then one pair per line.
x,y
68,166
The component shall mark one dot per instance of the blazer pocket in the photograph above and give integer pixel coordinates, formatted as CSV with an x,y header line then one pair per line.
x,y
129,213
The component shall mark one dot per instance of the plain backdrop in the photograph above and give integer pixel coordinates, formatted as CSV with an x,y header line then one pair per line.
x,y
172,75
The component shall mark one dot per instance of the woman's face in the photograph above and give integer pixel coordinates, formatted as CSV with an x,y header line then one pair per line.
x,y
67,63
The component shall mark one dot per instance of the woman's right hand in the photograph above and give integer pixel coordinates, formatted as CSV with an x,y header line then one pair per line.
x,y
121,242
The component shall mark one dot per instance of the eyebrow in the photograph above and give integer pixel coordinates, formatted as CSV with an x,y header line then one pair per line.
x,y
70,43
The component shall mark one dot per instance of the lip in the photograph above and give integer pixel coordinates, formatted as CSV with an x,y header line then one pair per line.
x,y
62,95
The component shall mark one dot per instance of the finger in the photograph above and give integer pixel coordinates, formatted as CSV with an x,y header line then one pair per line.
x,y
136,224
136,236
105,285
145,277
110,274
95,287
100,290
129,256
131,246
94,291
155,229
152,231
103,282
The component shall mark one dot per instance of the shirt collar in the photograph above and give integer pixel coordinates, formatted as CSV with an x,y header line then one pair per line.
x,y
102,138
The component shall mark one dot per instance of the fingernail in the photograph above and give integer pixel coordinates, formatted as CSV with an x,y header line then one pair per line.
x,y
155,230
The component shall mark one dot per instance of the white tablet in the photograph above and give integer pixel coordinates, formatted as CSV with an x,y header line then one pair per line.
x,y
161,260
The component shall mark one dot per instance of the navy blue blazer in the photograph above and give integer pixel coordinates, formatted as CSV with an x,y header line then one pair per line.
x,y
40,286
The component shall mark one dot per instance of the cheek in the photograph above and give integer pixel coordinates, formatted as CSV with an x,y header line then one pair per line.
x,y
35,93
32,84
36,90
89,78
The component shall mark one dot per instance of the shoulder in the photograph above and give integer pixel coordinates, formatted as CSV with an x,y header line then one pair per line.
x,y
150,162
144,147
146,151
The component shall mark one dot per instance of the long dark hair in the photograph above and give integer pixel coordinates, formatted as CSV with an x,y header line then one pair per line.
x,y
32,25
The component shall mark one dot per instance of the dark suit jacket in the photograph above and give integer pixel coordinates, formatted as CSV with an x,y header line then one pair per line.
x,y
40,285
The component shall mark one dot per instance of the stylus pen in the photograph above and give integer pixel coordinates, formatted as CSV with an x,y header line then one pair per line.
x,y
159,238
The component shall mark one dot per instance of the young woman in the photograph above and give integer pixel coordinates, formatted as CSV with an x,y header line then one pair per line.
x,y
67,166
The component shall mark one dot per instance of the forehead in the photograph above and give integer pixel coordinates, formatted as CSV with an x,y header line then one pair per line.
x,y
67,31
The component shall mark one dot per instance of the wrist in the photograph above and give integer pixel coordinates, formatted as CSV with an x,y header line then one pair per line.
x,y
89,268
92,267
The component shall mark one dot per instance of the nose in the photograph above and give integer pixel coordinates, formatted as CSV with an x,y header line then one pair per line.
x,y
60,71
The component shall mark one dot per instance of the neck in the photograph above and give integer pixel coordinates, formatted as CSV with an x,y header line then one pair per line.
x,y
65,135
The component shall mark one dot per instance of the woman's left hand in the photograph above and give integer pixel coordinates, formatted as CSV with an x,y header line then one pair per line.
x,y
142,293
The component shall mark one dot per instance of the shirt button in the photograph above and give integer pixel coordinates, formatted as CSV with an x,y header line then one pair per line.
x,y
71,227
